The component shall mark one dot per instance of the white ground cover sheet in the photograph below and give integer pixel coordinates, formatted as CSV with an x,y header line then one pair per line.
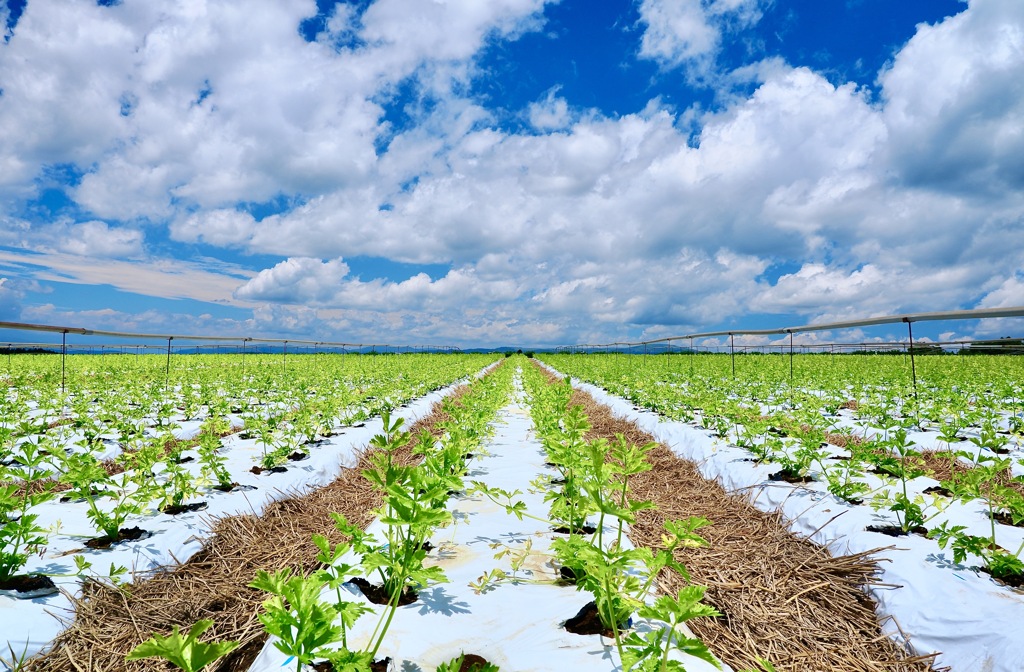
x,y
931,603
27,626
517,627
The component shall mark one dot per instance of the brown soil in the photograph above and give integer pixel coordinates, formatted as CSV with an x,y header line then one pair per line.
x,y
376,666
897,531
375,593
273,470
790,477
184,508
588,622
586,529
124,534
28,583
472,662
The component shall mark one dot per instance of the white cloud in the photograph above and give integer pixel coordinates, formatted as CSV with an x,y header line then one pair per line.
x,y
223,228
954,102
690,32
209,280
296,280
317,283
97,239
551,113
10,298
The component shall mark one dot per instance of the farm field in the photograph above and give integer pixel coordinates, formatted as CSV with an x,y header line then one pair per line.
x,y
855,460
120,472
457,510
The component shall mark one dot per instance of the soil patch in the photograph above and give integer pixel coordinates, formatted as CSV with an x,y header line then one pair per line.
x,y
376,666
897,531
564,529
26,586
790,477
174,510
588,622
124,534
375,593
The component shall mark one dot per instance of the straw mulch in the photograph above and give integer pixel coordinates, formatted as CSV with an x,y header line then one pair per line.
x,y
943,466
782,598
214,582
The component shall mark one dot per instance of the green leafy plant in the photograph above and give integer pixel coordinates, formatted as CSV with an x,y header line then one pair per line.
x,y
296,615
186,652
1001,563
650,652
905,464
20,534
213,464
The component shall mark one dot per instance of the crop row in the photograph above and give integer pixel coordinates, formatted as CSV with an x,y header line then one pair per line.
x,y
125,441
849,458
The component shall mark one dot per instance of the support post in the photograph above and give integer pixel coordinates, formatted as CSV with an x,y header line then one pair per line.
x,y
913,366
63,357
167,368
791,357
732,349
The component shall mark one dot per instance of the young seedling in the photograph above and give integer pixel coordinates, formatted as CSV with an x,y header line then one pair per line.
x,y
456,665
20,534
186,652
295,614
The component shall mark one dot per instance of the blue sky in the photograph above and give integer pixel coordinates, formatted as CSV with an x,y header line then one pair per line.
x,y
515,172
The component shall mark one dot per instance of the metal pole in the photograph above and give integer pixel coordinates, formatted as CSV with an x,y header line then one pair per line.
x,y
63,356
913,367
284,359
732,349
791,357
167,369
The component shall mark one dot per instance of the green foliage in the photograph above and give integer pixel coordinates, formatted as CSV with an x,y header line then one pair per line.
x,y
186,652
295,614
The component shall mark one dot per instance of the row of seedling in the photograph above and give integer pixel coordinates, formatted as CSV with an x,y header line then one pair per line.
x,y
803,440
42,459
311,616
591,504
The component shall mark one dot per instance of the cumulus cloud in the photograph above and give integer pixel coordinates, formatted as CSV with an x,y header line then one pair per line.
x,y
551,113
689,32
222,227
97,239
296,280
318,283
954,102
